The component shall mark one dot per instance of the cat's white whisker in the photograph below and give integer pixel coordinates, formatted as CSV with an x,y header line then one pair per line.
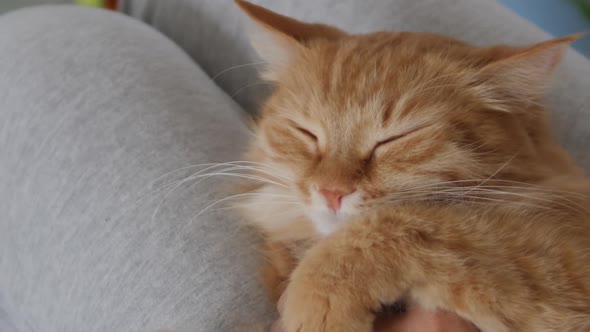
x,y
230,198
273,203
243,163
211,165
244,176
265,171
458,194
236,92
192,166
237,67
472,199
510,202
531,197
523,185
544,190
497,171
546,196
199,174
437,184
256,173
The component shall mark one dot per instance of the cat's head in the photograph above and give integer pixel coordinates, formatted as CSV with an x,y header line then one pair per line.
x,y
358,121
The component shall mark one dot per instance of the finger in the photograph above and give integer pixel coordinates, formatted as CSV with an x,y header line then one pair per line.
x,y
281,304
277,326
419,319
413,320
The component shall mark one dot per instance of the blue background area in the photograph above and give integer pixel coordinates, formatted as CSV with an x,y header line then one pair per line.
x,y
557,17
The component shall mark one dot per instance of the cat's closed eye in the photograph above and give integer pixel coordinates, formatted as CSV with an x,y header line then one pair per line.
x,y
307,133
395,138
388,140
384,142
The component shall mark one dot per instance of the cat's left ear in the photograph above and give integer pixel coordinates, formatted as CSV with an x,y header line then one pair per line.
x,y
278,38
525,72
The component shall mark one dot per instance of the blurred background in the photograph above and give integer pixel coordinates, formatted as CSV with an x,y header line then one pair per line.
x,y
557,17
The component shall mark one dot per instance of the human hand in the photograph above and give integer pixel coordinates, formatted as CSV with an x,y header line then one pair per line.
x,y
415,319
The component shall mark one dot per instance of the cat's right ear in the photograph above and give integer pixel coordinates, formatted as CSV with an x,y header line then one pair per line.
x,y
278,38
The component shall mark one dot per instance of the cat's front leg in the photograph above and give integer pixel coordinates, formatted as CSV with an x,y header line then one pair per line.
x,y
342,282
278,266
319,299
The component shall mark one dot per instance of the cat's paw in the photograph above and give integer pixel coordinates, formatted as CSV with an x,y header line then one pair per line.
x,y
314,303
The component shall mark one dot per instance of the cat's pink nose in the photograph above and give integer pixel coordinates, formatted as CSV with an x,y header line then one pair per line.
x,y
333,198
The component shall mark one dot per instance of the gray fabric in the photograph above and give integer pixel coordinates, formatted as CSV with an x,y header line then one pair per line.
x,y
212,32
94,107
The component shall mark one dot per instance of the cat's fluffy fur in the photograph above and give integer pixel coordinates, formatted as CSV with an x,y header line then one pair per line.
x,y
457,196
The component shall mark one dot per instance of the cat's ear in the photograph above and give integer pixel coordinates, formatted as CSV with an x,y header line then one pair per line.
x,y
525,72
278,38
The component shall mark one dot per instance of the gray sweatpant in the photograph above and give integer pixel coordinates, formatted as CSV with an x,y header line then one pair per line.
x,y
96,108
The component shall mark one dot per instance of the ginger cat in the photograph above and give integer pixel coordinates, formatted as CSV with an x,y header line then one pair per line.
x,y
414,166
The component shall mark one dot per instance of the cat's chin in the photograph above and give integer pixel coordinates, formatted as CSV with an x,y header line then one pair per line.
x,y
327,222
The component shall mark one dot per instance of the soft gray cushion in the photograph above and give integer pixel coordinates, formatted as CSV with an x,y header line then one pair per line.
x,y
95,106
213,33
